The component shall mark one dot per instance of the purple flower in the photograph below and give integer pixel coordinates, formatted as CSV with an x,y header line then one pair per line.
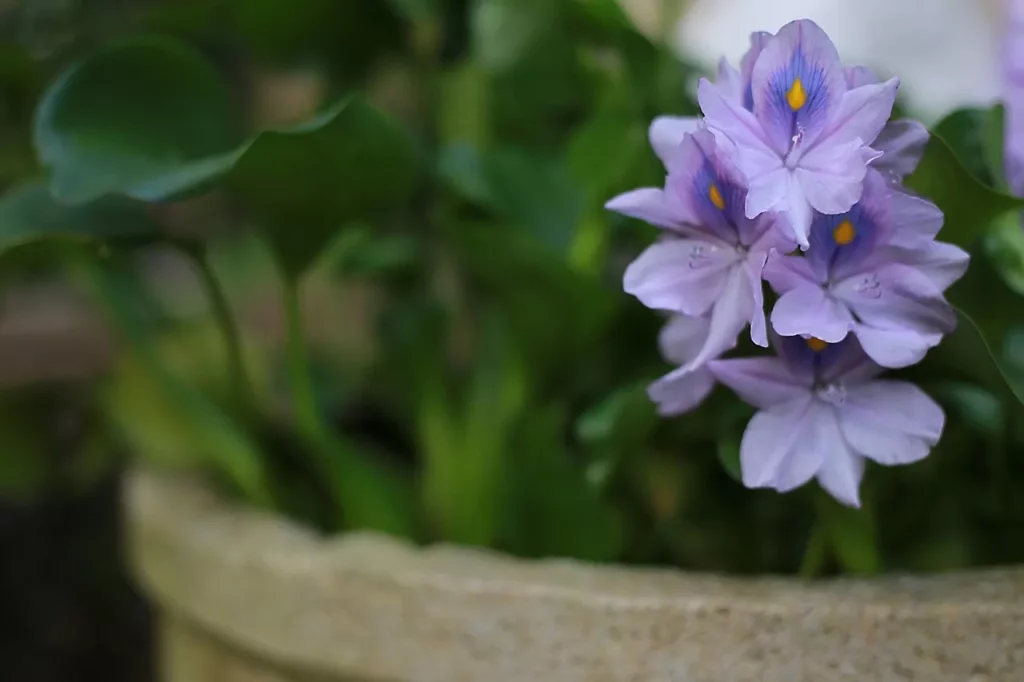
x,y
711,261
667,132
874,271
804,144
682,339
1013,80
821,413
901,142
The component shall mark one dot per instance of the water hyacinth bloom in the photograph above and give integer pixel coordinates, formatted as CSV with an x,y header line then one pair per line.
x,y
710,261
682,339
874,271
1013,95
805,142
822,412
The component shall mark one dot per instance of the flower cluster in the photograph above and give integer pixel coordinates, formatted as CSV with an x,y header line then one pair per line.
x,y
794,150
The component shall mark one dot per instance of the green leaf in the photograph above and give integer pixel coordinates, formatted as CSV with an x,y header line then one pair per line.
x,y
29,214
25,465
504,31
967,132
553,511
369,494
987,310
970,207
302,184
532,192
416,10
622,421
851,533
202,427
130,115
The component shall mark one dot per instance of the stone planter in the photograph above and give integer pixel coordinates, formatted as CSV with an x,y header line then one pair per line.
x,y
246,597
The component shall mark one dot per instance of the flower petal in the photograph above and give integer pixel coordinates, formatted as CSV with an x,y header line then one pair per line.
x,y
891,422
729,81
914,220
681,390
841,472
788,272
758,41
897,296
856,76
682,337
940,262
654,206
730,313
709,187
797,84
902,143
861,114
895,348
808,310
667,132
682,275
758,326
750,149
783,447
762,382
831,176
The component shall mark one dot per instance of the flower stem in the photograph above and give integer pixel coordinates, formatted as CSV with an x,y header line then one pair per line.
x,y
816,553
300,373
240,385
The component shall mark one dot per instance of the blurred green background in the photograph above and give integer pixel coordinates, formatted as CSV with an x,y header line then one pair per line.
x,y
479,369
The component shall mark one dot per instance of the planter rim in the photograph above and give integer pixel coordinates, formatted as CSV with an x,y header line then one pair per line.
x,y
236,570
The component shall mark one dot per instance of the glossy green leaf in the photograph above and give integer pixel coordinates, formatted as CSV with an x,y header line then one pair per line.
x,y
130,115
967,132
304,183
970,207
29,214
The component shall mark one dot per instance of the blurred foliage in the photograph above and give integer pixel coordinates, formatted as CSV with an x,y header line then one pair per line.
x,y
452,157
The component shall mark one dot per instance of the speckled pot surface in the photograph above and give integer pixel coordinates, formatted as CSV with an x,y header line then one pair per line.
x,y
247,597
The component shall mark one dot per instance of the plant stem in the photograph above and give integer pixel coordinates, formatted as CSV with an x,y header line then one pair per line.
x,y
300,373
816,553
240,385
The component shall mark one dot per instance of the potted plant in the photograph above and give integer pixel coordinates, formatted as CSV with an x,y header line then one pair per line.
x,y
509,400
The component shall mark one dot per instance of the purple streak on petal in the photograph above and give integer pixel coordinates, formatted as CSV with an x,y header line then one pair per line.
x,y
902,144
843,241
681,275
758,40
914,220
699,176
846,363
788,272
682,337
818,366
655,206
800,50
891,422
730,313
680,391
783,447
762,382
666,134
895,348
808,310
841,469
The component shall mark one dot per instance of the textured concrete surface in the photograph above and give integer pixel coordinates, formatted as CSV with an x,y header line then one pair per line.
x,y
270,602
